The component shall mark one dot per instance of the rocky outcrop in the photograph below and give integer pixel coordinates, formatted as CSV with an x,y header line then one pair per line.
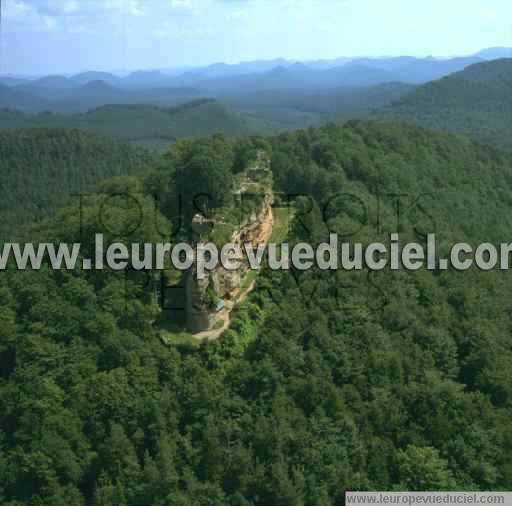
x,y
210,298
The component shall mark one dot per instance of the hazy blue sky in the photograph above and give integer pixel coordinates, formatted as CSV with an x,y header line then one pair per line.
x,y
47,36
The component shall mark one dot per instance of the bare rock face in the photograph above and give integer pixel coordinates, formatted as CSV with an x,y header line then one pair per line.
x,y
200,314
206,298
227,283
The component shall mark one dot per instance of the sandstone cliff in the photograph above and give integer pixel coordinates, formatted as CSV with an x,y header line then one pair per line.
x,y
209,299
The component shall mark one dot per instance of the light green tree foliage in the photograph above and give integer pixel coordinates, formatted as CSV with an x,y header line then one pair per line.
x,y
422,469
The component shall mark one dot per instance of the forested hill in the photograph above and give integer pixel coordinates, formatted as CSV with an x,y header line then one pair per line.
x,y
146,123
476,101
41,168
326,381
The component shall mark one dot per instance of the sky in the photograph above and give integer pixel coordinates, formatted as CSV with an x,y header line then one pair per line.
x,y
65,36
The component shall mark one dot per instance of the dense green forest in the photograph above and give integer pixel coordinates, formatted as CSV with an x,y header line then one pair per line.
x,y
325,381
475,101
42,168
147,124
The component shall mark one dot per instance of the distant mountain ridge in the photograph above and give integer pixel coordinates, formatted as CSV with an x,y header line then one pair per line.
x,y
221,69
51,82
69,95
88,77
356,72
18,98
495,53
280,93
426,69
